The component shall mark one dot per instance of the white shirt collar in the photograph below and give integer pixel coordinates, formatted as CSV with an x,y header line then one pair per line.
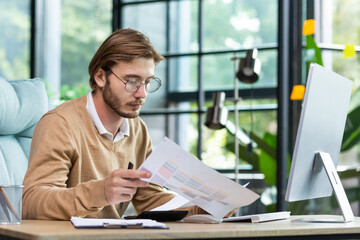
x,y
123,130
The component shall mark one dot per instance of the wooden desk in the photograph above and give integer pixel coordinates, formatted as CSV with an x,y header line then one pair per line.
x,y
284,229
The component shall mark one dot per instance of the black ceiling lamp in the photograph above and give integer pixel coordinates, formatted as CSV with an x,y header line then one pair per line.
x,y
216,116
249,67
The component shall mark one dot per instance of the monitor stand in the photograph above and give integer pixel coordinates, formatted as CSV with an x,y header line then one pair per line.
x,y
324,159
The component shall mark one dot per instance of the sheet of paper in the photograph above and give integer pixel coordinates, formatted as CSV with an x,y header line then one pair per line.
x,y
181,172
177,202
99,222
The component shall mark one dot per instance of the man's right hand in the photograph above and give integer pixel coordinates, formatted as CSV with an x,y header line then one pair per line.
x,y
121,185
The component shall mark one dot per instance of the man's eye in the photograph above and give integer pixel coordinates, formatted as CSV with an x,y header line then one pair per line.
x,y
132,81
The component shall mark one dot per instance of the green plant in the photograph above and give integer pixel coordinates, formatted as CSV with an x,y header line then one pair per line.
x,y
68,93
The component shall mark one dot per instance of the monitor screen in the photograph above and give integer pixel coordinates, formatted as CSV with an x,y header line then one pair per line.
x,y
321,129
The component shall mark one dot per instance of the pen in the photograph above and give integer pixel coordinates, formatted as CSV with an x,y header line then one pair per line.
x,y
128,226
4,206
7,201
130,166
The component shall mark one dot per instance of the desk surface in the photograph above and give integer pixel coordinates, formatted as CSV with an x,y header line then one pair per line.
x,y
54,230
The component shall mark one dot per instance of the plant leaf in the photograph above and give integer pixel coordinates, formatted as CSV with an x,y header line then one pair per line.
x,y
352,130
313,52
267,162
267,144
349,173
244,154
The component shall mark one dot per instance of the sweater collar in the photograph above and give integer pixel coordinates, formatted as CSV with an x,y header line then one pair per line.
x,y
123,131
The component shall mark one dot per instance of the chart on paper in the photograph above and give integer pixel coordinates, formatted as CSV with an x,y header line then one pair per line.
x,y
170,176
179,171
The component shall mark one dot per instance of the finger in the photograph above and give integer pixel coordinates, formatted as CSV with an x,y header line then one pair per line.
x,y
121,198
139,183
132,173
231,213
127,183
125,191
127,197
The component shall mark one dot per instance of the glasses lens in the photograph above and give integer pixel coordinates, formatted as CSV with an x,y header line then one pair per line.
x,y
132,86
153,85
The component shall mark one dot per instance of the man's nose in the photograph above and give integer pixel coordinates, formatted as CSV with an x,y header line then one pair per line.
x,y
141,91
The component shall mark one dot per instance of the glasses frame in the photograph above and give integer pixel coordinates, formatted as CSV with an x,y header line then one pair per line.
x,y
156,79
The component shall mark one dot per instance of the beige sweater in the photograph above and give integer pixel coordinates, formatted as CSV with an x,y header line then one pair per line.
x,y
69,161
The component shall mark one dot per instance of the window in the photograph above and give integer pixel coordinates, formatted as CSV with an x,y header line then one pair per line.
x,y
81,36
15,39
69,33
199,40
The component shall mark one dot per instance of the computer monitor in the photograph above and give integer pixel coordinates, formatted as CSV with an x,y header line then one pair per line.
x,y
322,122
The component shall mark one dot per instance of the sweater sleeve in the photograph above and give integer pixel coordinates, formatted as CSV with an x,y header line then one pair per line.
x,y
46,194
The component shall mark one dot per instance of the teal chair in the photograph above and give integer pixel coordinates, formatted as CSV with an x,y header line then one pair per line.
x,y
22,103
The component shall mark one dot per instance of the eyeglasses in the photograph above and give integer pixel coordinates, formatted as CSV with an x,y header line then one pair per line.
x,y
132,85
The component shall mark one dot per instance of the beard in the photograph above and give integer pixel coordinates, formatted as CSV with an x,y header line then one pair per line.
x,y
115,103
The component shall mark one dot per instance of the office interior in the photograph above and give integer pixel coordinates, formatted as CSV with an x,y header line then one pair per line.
x,y
203,42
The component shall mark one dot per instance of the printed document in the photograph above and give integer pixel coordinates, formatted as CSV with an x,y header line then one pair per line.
x,y
181,172
79,222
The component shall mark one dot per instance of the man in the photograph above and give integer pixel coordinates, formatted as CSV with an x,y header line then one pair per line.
x,y
81,150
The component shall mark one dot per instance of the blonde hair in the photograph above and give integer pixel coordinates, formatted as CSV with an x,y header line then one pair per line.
x,y
123,45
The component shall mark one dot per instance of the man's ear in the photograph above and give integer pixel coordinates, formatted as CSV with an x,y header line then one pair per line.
x,y
100,77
